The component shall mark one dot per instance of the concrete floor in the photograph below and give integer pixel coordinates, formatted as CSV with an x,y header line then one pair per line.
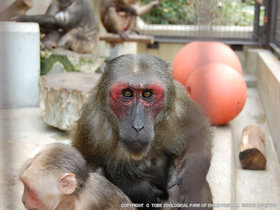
x,y
22,132
230,184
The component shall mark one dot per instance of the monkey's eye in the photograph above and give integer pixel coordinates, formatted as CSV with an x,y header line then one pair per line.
x,y
147,94
128,93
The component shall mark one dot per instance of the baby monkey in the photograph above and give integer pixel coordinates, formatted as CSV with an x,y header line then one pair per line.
x,y
57,178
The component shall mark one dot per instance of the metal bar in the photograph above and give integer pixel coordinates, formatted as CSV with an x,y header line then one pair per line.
x,y
256,21
277,24
275,48
273,24
170,39
266,25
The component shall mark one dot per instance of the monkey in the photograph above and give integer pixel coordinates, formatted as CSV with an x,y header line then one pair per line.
x,y
18,7
69,24
119,16
58,178
148,136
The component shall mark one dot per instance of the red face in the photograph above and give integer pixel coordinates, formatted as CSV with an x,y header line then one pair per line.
x,y
30,197
123,96
136,107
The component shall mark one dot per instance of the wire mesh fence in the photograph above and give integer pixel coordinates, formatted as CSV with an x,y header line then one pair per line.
x,y
277,29
209,19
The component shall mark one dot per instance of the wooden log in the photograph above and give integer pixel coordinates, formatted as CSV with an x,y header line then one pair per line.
x,y
252,148
62,96
116,38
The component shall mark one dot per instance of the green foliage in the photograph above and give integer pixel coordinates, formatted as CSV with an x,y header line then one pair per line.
x,y
47,63
187,12
168,12
235,13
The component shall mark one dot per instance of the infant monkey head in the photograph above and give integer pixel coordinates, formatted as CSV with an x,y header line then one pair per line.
x,y
56,171
58,178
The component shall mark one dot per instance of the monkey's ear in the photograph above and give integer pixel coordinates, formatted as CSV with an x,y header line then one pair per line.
x,y
67,183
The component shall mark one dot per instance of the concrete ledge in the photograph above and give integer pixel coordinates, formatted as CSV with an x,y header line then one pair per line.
x,y
253,186
220,176
251,64
268,74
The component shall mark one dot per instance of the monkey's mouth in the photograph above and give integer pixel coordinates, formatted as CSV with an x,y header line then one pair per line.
x,y
135,147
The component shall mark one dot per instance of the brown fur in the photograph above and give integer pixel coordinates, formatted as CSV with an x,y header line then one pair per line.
x,y
176,162
18,7
118,16
72,26
92,191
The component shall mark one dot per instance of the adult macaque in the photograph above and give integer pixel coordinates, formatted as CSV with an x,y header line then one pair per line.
x,y
18,7
69,24
141,128
119,16
57,178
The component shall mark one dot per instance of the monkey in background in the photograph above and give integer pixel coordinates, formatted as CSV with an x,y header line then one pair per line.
x,y
148,136
119,16
57,178
18,7
70,24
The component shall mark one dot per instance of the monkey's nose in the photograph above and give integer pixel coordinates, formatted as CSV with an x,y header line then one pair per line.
x,y
138,128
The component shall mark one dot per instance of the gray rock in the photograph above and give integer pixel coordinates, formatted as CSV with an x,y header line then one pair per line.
x,y
62,96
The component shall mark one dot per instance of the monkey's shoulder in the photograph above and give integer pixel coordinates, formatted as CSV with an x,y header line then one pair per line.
x,y
183,124
184,108
103,194
102,183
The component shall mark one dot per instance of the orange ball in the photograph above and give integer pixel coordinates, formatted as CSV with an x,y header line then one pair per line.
x,y
219,90
197,54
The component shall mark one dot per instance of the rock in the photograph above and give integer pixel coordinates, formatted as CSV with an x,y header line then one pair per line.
x,y
61,60
62,96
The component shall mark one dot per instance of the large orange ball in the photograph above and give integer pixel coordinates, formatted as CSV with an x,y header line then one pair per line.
x,y
196,54
219,90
